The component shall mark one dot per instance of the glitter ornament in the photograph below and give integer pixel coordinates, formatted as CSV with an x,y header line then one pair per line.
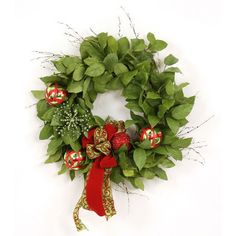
x,y
55,94
120,139
73,160
153,135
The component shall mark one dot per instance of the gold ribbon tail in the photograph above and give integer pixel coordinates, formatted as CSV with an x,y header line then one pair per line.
x,y
78,223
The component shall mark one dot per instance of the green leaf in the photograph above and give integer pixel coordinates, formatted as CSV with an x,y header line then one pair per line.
x,y
170,60
173,69
120,68
181,86
75,146
151,37
54,157
99,120
181,143
165,106
123,46
146,144
168,139
152,161
167,163
91,60
38,94
175,153
128,173
132,91
88,49
138,45
54,145
157,45
128,123
67,138
148,174
85,86
152,95
128,76
116,176
161,150
112,44
124,162
139,183
62,170
173,124
115,84
161,173
70,62
153,120
170,89
46,132
42,107
59,65
95,69
75,86
134,106
102,39
50,79
110,60
79,72
140,157
48,115
72,174
181,111
123,148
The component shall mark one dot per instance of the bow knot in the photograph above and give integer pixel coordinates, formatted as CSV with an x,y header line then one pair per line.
x,y
101,145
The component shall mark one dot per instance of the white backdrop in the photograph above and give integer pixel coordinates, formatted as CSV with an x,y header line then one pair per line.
x,y
189,203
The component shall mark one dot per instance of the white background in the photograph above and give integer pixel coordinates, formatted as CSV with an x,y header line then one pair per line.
x,y
197,200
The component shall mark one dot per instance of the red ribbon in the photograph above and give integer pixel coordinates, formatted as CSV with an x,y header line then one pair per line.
x,y
95,177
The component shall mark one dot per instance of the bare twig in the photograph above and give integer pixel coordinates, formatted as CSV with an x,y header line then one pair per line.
x,y
119,27
72,32
93,31
130,22
191,129
27,107
196,150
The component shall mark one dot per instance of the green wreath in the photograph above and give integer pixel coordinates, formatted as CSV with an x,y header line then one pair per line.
x,y
158,109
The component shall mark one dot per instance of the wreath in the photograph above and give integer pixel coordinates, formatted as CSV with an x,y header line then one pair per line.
x,y
110,150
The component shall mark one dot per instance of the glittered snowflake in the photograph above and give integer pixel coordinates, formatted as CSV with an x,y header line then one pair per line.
x,y
70,121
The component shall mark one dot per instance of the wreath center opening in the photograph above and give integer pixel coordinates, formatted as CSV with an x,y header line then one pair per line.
x,y
111,104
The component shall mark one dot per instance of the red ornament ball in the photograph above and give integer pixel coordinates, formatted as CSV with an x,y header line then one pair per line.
x,y
120,139
55,94
154,135
73,160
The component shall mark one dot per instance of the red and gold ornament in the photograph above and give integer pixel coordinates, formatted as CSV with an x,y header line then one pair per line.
x,y
153,135
120,139
55,94
73,160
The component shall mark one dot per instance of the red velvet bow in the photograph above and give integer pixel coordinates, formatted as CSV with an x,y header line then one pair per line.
x,y
94,186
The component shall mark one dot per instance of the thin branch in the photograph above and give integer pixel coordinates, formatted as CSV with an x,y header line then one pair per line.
x,y
72,32
196,150
27,107
93,31
130,22
119,27
194,127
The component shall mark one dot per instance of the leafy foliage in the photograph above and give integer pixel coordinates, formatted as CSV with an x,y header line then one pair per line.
x,y
152,95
